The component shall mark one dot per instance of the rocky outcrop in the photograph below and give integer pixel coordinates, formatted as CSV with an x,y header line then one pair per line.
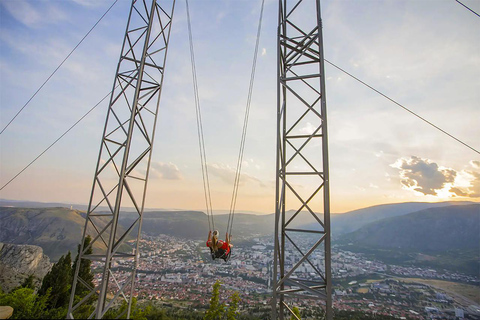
x,y
17,262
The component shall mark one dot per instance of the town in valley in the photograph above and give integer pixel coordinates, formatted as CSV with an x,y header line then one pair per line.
x,y
180,273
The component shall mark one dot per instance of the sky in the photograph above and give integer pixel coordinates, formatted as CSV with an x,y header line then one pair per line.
x,y
423,54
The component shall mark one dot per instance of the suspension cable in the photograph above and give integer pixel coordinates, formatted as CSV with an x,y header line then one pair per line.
x,y
55,71
468,8
201,139
58,139
64,134
402,106
245,125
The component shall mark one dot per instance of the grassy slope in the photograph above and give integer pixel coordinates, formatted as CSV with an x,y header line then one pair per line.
x,y
56,230
461,290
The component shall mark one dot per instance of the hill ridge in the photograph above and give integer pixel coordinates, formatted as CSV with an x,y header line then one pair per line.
x,y
447,235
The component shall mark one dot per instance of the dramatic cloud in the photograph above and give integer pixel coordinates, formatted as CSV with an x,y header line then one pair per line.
x,y
423,176
458,192
475,186
167,171
475,164
426,177
468,182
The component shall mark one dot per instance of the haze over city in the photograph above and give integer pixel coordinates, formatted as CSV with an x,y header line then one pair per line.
x,y
422,54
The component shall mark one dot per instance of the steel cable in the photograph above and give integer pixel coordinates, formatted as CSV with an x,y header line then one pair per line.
x,y
468,8
58,139
402,106
245,126
55,71
201,139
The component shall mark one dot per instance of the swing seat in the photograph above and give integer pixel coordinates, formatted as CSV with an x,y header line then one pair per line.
x,y
221,254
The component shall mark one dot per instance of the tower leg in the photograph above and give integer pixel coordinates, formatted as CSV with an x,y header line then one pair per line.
x,y
121,174
302,171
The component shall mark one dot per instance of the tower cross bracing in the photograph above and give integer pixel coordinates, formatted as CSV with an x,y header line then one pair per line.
x,y
302,254
122,170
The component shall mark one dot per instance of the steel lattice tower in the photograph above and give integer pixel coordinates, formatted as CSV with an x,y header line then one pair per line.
x,y
122,170
302,255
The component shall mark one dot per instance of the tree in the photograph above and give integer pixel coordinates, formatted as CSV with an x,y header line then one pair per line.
x,y
85,271
232,308
58,280
26,304
136,313
28,283
154,313
296,313
216,309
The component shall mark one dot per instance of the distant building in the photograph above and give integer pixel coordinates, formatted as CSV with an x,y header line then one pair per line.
x,y
339,293
431,309
459,313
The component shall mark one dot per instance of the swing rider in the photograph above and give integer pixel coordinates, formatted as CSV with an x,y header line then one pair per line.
x,y
218,248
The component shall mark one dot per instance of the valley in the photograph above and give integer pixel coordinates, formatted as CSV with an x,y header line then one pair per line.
x,y
385,264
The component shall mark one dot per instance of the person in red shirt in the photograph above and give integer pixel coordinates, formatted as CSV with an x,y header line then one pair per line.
x,y
218,248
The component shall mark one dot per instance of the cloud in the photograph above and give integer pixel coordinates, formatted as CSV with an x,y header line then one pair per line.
x,y
426,177
468,182
475,164
88,3
458,192
308,128
32,15
423,175
379,154
167,171
227,175
475,186
264,51
220,16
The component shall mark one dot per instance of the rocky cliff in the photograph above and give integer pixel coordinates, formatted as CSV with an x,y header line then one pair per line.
x,y
17,262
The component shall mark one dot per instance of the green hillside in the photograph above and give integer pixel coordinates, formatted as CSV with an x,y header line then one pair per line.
x,y
194,224
59,230
55,230
440,237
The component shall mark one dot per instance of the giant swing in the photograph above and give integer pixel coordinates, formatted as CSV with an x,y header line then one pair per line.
x,y
302,175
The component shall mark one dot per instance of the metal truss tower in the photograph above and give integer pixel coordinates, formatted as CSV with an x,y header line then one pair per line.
x,y
122,170
302,257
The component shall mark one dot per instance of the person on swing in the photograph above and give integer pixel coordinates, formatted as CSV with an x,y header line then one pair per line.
x,y
219,248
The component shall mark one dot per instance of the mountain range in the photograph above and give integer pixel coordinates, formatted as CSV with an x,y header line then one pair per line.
x,y
433,229
354,220
440,237
194,224
437,234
